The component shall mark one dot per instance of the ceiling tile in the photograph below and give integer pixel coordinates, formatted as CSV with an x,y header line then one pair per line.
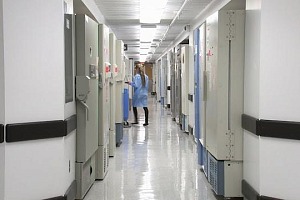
x,y
122,17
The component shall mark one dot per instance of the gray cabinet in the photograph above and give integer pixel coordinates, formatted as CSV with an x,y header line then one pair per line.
x,y
86,102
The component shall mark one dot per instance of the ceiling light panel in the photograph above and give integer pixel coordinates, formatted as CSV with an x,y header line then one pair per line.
x,y
145,45
119,9
144,51
147,33
151,11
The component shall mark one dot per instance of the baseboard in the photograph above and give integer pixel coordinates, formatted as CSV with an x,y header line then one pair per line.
x,y
191,130
69,195
251,194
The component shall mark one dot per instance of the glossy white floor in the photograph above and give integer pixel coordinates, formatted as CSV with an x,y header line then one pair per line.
x,y
155,162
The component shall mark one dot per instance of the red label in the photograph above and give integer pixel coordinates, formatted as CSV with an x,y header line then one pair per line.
x,y
209,53
107,68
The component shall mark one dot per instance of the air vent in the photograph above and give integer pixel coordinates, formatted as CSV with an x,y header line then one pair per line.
x,y
216,174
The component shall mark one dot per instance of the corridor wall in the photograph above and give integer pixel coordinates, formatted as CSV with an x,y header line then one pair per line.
x,y
168,78
271,79
158,80
191,86
34,91
2,105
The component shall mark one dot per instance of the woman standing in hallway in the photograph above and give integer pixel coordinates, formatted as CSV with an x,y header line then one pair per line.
x,y
140,96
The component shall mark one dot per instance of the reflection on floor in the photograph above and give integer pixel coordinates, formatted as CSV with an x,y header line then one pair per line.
x,y
155,162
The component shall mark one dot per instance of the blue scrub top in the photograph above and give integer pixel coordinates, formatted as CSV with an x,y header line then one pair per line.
x,y
140,95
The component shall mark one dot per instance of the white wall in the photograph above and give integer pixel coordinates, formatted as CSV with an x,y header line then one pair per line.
x,y
34,67
251,165
280,47
191,80
2,170
2,106
69,144
251,150
280,162
271,92
280,97
34,59
252,58
37,167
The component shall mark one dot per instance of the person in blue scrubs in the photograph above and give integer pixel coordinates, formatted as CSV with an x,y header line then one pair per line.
x,y
140,96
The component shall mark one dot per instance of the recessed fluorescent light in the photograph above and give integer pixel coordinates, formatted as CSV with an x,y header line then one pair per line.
x,y
145,44
144,51
147,33
151,10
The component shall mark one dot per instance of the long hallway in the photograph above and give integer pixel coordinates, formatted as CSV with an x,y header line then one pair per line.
x,y
155,162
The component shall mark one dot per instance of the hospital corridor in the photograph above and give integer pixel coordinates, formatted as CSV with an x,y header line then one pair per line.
x,y
149,99
154,162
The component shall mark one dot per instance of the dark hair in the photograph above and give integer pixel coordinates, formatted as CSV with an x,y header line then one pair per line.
x,y
142,74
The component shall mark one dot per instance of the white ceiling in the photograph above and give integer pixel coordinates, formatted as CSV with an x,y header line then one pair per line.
x,y
122,16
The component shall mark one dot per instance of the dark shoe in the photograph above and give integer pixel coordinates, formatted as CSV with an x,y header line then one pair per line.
x,y
146,124
134,123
